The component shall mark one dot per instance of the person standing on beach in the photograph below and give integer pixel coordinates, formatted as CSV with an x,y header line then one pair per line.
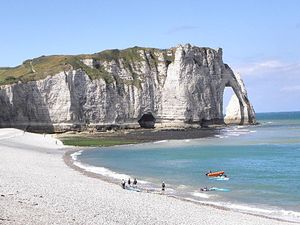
x,y
134,182
163,186
123,183
129,181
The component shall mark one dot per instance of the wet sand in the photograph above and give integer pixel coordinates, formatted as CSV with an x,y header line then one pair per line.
x,y
147,135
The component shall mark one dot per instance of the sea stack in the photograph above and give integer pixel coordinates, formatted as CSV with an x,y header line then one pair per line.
x,y
177,87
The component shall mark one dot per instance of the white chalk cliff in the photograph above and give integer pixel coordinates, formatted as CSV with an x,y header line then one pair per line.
x,y
181,86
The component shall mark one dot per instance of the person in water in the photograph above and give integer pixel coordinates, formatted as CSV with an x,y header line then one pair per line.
x,y
163,186
204,189
129,182
134,182
208,173
123,183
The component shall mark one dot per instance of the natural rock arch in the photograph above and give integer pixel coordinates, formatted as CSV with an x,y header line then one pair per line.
x,y
239,109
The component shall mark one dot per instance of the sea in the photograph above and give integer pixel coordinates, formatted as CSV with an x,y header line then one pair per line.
x,y
262,164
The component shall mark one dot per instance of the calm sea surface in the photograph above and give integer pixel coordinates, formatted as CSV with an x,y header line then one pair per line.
x,y
262,162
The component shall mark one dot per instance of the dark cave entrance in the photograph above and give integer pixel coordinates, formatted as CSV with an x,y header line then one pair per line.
x,y
147,121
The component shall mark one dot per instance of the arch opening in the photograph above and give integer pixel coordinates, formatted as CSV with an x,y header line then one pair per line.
x,y
228,93
147,120
232,107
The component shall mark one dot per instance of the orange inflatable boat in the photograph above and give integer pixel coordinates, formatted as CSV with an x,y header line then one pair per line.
x,y
215,174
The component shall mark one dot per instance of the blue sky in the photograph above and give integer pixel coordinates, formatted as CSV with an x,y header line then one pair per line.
x,y
260,38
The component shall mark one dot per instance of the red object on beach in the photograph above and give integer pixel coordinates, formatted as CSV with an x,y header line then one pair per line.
x,y
215,174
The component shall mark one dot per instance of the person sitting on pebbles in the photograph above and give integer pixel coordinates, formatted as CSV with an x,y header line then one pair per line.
x,y
123,183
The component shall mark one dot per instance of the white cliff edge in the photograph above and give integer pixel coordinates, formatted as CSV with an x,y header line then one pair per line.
x,y
181,86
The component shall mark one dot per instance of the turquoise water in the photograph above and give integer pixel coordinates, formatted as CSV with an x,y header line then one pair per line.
x,y
262,162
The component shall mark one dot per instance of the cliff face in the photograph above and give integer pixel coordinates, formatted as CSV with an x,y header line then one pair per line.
x,y
174,87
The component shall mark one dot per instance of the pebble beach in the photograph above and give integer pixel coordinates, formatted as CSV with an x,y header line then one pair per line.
x,y
38,187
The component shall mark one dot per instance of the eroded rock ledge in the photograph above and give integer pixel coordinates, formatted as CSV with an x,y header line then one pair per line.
x,y
177,87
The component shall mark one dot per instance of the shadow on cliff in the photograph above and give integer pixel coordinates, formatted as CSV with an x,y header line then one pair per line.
x,y
5,109
77,85
27,109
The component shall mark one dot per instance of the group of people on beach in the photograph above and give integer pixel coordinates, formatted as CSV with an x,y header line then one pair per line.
x,y
134,183
123,183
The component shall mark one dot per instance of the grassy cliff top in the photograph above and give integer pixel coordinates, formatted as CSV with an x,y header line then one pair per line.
x,y
41,67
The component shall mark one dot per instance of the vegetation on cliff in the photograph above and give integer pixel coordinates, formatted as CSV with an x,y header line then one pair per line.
x,y
41,67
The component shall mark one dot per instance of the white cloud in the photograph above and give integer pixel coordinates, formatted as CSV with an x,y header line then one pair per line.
x,y
295,88
268,67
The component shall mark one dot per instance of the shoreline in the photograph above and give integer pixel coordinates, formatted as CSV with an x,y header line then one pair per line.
x,y
70,162
38,187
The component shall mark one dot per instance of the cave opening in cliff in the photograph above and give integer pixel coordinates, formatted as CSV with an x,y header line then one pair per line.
x,y
147,120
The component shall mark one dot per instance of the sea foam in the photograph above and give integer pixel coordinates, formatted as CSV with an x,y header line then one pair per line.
x,y
201,195
162,141
100,170
275,213
76,154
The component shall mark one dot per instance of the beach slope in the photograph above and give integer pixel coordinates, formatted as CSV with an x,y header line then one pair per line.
x,y
37,187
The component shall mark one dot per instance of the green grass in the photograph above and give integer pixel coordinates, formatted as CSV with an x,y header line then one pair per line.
x,y
93,142
41,67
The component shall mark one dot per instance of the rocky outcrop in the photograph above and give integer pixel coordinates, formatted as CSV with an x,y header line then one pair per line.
x,y
181,86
